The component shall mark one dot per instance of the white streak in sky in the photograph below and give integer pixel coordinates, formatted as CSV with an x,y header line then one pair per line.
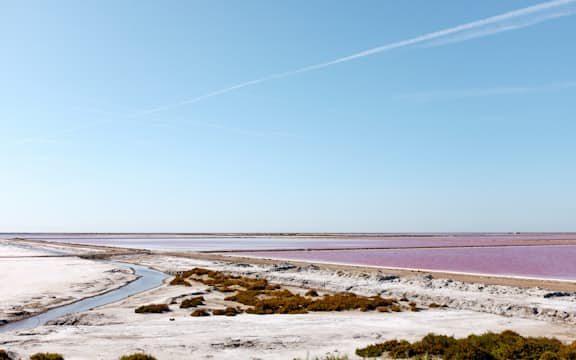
x,y
484,92
508,21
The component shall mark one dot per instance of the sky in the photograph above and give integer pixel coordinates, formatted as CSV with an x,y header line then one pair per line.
x,y
294,116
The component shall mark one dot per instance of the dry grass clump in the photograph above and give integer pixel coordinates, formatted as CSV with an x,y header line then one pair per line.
x,y
226,282
330,357
4,355
266,298
192,302
152,308
229,311
489,346
138,356
200,312
179,280
436,306
46,356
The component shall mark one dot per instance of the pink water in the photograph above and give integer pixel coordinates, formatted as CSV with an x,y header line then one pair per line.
x,y
550,256
549,262
197,243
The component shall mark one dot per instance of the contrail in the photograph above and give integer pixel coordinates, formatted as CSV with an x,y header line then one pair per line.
x,y
508,21
512,20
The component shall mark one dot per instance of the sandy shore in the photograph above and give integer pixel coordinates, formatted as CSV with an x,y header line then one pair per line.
x,y
473,307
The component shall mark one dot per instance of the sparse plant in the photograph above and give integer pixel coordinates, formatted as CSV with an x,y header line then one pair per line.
x,y
152,308
436,306
489,346
200,312
229,311
138,356
192,302
46,356
179,280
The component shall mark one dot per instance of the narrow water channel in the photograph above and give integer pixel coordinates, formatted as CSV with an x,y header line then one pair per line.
x,y
147,279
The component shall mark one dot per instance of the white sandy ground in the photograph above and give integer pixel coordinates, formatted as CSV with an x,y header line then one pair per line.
x,y
113,330
31,284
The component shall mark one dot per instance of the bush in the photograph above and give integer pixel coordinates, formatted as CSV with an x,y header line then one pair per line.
x,y
4,355
229,311
179,280
192,302
138,356
436,306
200,312
152,308
489,346
46,356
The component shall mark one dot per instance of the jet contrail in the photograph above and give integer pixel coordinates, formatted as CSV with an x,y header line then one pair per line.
x,y
508,21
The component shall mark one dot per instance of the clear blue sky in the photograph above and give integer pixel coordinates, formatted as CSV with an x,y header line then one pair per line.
x,y
463,132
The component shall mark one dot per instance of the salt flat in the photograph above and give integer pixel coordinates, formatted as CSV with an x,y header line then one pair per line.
x,y
112,330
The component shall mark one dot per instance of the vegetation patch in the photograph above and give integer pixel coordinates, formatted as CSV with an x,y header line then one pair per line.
x,y
436,306
489,346
229,311
179,280
200,312
152,308
192,302
138,356
46,356
266,298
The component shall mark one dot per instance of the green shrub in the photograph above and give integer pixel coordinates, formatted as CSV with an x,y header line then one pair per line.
x,y
152,308
200,312
46,356
138,356
192,302
488,346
